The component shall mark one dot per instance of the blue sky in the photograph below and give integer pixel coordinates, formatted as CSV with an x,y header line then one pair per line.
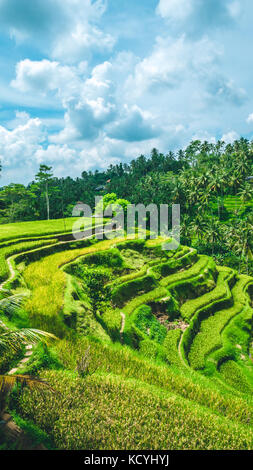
x,y
87,83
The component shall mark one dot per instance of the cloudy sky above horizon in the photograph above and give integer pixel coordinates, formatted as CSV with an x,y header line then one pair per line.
x,y
87,83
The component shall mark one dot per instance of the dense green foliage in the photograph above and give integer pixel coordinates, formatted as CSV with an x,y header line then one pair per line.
x,y
153,341
208,180
155,346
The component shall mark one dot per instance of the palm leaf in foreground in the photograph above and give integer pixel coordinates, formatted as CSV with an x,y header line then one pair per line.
x,y
10,303
11,339
7,383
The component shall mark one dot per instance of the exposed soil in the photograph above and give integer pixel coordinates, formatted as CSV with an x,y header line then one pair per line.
x,y
173,325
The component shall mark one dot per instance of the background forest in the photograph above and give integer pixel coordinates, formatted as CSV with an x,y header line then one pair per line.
x,y
211,182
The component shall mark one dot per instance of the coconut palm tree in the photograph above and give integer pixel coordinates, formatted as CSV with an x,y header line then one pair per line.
x,y
246,193
213,232
198,226
246,229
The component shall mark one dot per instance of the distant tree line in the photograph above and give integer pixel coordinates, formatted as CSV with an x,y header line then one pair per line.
x,y
200,178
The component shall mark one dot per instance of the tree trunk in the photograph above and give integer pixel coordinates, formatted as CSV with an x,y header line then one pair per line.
x,y
47,201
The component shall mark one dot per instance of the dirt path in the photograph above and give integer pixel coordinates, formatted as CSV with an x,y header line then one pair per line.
x,y
182,359
123,321
22,362
12,273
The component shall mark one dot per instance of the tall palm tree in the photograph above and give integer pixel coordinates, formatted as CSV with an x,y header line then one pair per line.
x,y
198,226
242,164
246,229
246,193
213,232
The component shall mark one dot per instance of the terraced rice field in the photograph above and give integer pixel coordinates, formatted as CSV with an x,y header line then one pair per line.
x,y
168,335
233,204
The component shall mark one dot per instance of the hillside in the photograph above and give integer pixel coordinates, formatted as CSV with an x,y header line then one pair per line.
x,y
154,348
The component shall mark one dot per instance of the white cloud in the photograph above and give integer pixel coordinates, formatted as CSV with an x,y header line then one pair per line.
x,y
225,89
174,9
21,117
199,16
163,67
172,62
250,118
230,137
46,77
18,146
81,42
56,154
65,30
88,102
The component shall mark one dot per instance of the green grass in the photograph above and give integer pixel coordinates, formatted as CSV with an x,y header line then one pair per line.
x,y
193,273
107,412
41,227
7,251
209,337
221,291
118,302
171,344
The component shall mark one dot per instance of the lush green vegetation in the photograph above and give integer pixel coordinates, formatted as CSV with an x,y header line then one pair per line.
x,y
209,181
42,227
139,328
154,347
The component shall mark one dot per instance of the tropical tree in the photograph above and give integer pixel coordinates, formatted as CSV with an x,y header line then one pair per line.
x,y
213,232
44,178
17,202
199,226
246,193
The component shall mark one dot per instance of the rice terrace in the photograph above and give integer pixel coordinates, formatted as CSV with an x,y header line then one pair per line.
x,y
153,348
126,231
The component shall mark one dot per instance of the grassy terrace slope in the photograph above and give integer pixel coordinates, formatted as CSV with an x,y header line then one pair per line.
x,y
168,335
40,228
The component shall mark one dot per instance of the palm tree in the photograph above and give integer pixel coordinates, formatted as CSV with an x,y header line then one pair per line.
x,y
12,341
198,226
242,165
217,185
213,233
246,193
246,229
240,240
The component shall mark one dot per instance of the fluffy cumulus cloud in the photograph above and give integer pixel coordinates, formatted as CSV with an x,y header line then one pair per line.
x,y
173,63
230,137
46,76
19,145
84,89
67,30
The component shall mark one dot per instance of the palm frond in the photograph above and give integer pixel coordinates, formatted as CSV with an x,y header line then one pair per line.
x,y
10,303
7,382
12,339
3,326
